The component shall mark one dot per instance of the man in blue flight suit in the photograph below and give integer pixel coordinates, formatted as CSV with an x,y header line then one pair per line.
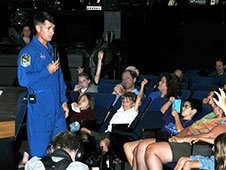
x,y
37,70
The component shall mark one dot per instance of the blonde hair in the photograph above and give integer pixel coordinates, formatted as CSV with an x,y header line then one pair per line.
x,y
220,151
134,69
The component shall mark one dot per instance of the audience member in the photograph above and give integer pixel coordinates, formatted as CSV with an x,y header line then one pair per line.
x,y
168,86
84,81
179,73
204,162
26,34
135,150
83,112
206,100
129,78
125,114
219,68
224,87
64,148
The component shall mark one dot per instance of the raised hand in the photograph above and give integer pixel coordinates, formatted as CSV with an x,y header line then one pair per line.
x,y
100,55
145,81
222,100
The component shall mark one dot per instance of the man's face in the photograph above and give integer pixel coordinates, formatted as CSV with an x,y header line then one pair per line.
x,y
219,67
127,80
46,30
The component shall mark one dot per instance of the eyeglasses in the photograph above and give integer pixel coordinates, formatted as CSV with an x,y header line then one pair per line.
x,y
186,106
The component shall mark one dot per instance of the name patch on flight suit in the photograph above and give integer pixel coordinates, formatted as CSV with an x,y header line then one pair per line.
x,y
25,60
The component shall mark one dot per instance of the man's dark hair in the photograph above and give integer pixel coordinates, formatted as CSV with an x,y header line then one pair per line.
x,y
41,17
66,139
220,59
130,95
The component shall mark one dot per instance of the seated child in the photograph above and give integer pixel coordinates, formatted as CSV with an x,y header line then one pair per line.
x,y
125,114
176,122
204,162
83,112
84,82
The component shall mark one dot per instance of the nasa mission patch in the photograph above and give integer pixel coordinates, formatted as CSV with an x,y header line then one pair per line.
x,y
25,60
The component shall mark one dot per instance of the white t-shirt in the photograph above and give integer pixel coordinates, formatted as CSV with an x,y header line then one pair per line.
x,y
122,117
35,163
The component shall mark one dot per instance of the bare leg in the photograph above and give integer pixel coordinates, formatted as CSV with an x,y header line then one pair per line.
x,y
191,164
134,165
181,162
129,150
25,158
141,149
157,154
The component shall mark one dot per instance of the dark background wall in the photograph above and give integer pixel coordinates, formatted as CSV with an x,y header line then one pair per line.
x,y
171,37
155,38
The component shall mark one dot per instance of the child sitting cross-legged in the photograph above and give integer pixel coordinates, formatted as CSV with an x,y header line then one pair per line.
x,y
124,115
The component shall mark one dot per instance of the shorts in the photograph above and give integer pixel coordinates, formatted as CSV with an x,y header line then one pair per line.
x,y
179,150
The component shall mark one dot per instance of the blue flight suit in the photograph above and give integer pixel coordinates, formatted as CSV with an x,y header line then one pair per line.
x,y
46,116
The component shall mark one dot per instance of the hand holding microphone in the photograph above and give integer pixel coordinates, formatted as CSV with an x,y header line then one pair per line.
x,y
53,67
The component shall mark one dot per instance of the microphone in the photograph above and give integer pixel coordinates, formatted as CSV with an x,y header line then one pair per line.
x,y
156,85
56,55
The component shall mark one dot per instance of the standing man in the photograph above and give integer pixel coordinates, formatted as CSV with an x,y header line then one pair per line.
x,y
42,75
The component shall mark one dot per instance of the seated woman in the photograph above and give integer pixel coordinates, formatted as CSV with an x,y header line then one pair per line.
x,y
168,86
25,37
135,150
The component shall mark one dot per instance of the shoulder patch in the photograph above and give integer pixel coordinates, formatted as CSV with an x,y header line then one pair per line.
x,y
25,60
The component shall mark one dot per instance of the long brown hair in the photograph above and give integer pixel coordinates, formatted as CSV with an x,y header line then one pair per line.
x,y
220,151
